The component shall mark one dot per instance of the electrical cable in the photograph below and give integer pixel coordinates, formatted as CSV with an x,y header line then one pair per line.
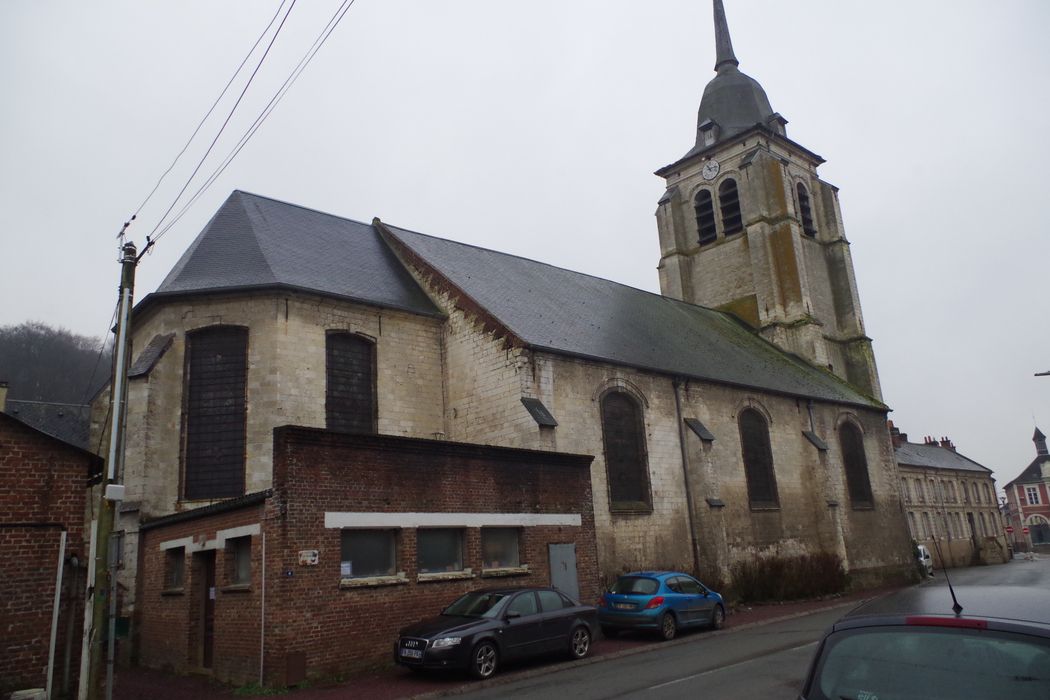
x,y
210,110
233,109
326,32
101,351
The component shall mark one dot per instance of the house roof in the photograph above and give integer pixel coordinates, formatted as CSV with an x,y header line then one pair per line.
x,y
1033,473
936,457
550,308
70,423
254,242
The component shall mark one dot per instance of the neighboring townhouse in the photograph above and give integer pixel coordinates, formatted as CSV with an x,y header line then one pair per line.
x,y
1028,501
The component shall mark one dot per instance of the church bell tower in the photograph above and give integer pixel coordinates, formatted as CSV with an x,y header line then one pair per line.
x,y
747,226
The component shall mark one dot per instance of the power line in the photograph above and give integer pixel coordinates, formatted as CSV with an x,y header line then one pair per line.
x,y
210,110
101,351
224,124
322,37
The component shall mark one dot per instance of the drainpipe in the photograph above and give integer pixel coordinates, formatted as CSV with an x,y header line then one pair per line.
x,y
54,617
677,382
262,613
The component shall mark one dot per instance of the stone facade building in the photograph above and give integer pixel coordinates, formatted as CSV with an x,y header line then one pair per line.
x,y
1028,500
950,503
736,416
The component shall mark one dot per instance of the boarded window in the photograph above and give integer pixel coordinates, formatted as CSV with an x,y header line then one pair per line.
x,y
856,465
174,563
239,560
217,368
439,550
805,212
625,460
758,460
367,553
705,216
500,547
729,203
350,403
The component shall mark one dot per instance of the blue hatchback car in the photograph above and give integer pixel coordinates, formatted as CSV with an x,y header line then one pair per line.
x,y
662,601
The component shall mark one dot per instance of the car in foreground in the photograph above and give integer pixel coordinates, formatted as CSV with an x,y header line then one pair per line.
x,y
914,645
483,629
661,601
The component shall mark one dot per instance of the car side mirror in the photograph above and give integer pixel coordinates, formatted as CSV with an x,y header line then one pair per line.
x,y
511,614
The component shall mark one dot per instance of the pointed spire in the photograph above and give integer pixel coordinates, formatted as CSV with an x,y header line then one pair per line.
x,y
1040,442
723,44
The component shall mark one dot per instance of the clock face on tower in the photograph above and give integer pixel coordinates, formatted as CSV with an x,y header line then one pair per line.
x,y
710,170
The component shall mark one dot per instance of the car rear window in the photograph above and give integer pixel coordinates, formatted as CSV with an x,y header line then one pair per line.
x,y
637,585
932,663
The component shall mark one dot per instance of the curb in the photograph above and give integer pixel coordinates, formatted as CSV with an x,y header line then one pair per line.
x,y
612,656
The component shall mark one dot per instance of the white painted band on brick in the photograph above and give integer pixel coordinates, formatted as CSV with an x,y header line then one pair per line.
x,y
243,531
181,542
219,541
398,520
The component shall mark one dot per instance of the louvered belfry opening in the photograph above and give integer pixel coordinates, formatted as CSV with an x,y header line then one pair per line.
x,y
806,212
705,216
758,460
729,203
625,457
216,412
856,465
350,394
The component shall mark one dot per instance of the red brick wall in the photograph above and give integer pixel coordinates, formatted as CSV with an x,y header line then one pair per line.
x,y
311,623
43,487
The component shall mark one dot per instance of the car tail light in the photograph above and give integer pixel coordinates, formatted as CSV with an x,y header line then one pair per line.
x,y
655,602
601,601
934,621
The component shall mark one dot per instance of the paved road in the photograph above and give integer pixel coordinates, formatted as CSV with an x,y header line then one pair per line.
x,y
765,661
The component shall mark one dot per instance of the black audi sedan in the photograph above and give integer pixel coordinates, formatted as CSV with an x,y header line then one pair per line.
x,y
483,629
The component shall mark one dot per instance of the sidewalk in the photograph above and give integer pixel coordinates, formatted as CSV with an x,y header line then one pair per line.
x,y
394,683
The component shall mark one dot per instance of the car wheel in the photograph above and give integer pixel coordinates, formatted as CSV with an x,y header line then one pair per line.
x,y
483,660
718,617
609,632
580,642
668,627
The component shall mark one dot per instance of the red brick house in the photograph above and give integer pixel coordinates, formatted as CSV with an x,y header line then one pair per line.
x,y
1028,500
359,535
43,489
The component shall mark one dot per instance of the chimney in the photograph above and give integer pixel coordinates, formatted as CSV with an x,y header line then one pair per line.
x,y
896,435
1040,442
947,444
3,396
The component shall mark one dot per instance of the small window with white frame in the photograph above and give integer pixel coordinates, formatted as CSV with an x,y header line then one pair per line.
x,y
500,548
239,560
1032,495
368,554
439,550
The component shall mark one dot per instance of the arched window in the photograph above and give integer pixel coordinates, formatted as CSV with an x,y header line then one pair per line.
x,y
920,493
987,493
805,212
856,465
729,204
705,216
758,460
215,417
350,386
976,493
623,432
927,527
904,491
913,527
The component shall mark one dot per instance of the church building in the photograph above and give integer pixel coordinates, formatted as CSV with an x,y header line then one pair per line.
x,y
735,416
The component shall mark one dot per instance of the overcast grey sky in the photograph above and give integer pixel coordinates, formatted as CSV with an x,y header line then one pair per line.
x,y
534,127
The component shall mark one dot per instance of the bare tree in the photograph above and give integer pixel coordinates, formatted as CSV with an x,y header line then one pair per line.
x,y
43,363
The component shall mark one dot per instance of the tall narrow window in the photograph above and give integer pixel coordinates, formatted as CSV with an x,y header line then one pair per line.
x,y
729,203
976,493
216,412
805,212
705,216
913,527
625,460
904,491
920,492
758,460
856,465
927,527
350,397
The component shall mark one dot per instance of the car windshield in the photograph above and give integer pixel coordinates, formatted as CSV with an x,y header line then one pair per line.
x,y
932,663
479,604
635,585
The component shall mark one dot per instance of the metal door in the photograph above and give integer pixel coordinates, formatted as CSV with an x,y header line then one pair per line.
x,y
208,611
563,569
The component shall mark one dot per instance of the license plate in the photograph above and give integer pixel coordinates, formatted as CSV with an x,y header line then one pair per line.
x,y
623,606
412,653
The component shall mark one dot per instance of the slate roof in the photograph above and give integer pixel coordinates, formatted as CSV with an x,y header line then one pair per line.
x,y
937,457
1033,473
559,310
254,242
70,423
150,355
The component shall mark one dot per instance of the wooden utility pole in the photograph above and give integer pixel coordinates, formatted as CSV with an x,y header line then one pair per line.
x,y
110,492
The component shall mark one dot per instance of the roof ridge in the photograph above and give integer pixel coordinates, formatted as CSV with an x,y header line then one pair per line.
x,y
299,206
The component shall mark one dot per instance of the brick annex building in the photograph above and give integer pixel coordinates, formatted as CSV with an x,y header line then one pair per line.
x,y
1028,500
467,414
